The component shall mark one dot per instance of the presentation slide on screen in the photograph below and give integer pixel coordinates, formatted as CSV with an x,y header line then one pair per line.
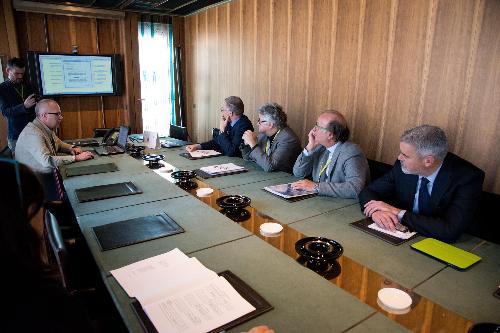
x,y
65,74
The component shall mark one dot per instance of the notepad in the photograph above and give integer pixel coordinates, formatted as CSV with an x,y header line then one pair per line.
x,y
446,253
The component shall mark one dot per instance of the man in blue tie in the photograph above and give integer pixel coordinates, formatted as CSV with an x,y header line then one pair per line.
x,y
429,189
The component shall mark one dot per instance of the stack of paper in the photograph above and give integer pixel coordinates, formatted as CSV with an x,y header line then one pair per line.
x,y
179,294
222,169
204,153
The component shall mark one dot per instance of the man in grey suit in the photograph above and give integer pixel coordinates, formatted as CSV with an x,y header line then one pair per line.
x,y
338,167
38,146
277,146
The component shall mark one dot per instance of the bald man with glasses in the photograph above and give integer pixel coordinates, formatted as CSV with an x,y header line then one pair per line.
x,y
39,147
338,167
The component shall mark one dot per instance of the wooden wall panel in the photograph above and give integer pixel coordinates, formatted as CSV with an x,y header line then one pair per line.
x,y
481,133
388,65
248,57
263,47
298,63
278,60
365,125
406,77
319,62
345,63
448,67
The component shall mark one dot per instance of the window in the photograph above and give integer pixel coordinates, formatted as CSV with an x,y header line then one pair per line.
x,y
156,64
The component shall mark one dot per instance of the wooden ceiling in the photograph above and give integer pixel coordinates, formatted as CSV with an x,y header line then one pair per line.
x,y
159,7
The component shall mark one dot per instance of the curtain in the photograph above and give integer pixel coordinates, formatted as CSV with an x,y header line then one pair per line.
x,y
156,63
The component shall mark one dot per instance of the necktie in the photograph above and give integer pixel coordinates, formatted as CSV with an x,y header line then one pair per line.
x,y
424,199
324,166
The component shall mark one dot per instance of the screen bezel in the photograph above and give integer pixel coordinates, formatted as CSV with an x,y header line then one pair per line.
x,y
113,57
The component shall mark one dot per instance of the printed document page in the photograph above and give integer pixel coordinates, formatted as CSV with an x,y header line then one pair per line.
x,y
200,308
204,153
131,276
222,168
396,233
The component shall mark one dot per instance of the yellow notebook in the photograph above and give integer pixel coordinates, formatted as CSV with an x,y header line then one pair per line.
x,y
446,253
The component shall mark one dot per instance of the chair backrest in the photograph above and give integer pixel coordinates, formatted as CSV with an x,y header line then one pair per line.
x,y
58,248
100,132
6,152
178,132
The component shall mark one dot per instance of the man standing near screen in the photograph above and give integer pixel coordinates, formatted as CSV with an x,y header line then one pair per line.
x,y
17,101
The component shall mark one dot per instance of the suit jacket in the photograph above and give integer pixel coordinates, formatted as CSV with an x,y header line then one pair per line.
x,y
228,142
347,175
12,107
35,149
283,151
455,195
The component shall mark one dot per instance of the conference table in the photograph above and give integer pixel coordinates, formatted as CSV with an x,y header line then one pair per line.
x,y
444,299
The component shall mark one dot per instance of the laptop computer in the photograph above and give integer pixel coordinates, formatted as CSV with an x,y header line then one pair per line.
x,y
119,148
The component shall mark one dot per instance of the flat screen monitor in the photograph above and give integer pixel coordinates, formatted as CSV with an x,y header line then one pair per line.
x,y
70,74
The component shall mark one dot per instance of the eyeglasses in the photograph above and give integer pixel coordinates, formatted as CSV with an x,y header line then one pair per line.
x,y
321,128
59,114
261,121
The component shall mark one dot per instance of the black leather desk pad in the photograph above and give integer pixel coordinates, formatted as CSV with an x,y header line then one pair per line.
x,y
363,225
205,175
133,231
189,157
91,169
106,191
259,303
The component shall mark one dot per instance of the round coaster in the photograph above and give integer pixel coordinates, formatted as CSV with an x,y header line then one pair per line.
x,y
204,191
270,229
394,300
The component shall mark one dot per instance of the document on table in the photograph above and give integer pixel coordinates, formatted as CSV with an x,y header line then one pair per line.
x,y
286,191
179,294
204,153
131,276
199,308
396,233
222,169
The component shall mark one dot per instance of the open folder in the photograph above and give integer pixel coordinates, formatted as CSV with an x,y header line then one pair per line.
x,y
176,293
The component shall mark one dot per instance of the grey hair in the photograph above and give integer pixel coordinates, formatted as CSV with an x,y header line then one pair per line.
x,y
235,104
427,140
41,106
273,113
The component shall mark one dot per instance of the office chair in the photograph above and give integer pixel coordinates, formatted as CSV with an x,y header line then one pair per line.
x,y
100,132
178,132
6,152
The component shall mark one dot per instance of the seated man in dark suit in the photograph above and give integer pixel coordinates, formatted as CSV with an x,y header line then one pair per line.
x,y
277,146
233,123
429,190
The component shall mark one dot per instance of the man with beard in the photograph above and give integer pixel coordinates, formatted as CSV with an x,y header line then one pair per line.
x,y
16,101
